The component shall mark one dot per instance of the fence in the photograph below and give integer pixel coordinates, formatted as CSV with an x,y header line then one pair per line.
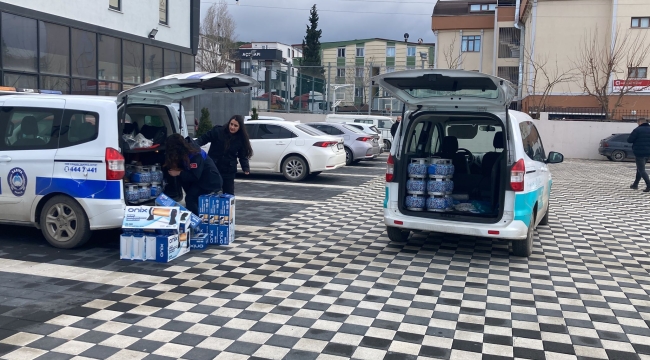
x,y
590,114
326,89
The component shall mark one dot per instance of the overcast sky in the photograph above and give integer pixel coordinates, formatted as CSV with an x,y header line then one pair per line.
x,y
285,20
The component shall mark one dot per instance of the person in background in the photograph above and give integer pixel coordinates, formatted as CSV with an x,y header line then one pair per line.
x,y
393,129
640,140
227,144
197,172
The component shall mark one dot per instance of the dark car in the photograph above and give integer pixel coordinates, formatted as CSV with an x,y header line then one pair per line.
x,y
616,147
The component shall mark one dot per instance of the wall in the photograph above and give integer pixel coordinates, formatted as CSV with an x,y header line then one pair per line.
x,y
137,17
222,106
578,139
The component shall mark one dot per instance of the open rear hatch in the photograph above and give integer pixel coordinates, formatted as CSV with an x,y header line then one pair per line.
x,y
439,103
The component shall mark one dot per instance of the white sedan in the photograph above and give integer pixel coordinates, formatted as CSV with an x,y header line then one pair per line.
x,y
292,149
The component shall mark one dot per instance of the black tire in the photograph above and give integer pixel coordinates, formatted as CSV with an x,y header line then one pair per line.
x,y
349,158
618,155
397,234
64,223
314,174
610,158
524,248
387,145
295,168
544,220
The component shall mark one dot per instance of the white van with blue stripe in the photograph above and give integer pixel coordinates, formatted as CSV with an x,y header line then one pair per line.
x,y
62,157
501,183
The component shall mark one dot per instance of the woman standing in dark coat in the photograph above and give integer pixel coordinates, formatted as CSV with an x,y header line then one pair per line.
x,y
227,144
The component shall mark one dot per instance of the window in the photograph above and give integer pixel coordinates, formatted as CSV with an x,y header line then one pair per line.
x,y
390,51
110,58
78,127
265,131
641,22
638,73
132,56
172,62
471,43
361,51
619,138
309,130
532,142
358,72
61,84
328,129
357,126
410,51
482,7
340,52
353,129
251,130
163,12
385,124
29,128
84,53
18,43
358,92
153,66
340,72
20,80
54,47
510,73
115,4
246,67
363,121
187,63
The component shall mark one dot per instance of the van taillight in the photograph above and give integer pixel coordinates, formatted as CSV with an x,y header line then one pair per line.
x,y
390,168
114,164
517,175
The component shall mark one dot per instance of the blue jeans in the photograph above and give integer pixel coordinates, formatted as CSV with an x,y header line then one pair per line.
x,y
641,172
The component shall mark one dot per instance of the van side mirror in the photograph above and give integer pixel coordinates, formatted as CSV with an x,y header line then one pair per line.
x,y
554,158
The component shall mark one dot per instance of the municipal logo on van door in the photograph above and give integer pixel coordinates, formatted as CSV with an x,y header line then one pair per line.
x,y
17,180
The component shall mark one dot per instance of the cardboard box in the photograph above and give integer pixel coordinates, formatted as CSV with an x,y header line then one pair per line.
x,y
164,200
168,248
226,231
199,241
132,247
151,218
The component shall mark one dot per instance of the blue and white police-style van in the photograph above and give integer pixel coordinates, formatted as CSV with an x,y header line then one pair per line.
x,y
62,157
501,181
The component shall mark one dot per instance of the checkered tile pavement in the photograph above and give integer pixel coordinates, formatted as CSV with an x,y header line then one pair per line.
x,y
326,283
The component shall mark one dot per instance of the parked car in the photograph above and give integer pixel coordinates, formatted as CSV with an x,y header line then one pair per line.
x,y
616,147
383,123
358,145
504,197
262,117
292,149
66,154
371,130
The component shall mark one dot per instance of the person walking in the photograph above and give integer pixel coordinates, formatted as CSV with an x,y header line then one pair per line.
x,y
197,172
227,144
640,139
393,128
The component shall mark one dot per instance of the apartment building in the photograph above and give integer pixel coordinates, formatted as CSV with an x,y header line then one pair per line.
x,y
534,43
353,63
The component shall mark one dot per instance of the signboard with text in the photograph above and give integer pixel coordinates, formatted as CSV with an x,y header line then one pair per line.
x,y
632,85
260,54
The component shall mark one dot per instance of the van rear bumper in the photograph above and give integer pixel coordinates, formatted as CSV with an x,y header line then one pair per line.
x,y
104,214
512,230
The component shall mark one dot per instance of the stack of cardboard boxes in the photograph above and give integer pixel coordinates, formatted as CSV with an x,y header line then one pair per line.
x,y
217,213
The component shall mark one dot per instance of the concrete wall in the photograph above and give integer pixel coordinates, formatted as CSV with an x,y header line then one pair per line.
x,y
137,17
578,139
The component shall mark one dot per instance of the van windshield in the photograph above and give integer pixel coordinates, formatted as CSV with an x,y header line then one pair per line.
x,y
437,85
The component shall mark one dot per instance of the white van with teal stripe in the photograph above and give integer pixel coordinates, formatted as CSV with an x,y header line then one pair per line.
x,y
501,183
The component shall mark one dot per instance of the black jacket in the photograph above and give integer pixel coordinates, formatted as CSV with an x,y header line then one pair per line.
x,y
393,128
200,175
640,139
226,160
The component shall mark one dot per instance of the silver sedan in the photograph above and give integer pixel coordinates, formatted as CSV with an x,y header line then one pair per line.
x,y
358,145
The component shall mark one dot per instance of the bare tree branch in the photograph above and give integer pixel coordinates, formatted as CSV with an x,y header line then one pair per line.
x,y
600,63
217,43
452,57
544,78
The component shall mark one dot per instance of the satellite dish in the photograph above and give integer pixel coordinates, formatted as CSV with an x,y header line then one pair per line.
x,y
406,37
420,41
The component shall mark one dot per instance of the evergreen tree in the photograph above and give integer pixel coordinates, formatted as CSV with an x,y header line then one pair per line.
x,y
311,56
205,124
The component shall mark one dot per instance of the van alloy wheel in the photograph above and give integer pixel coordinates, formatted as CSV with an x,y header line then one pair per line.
x,y
61,222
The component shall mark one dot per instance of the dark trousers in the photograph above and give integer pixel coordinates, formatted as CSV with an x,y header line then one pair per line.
x,y
228,186
192,199
641,172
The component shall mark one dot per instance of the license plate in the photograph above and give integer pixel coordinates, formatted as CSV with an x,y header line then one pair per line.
x,y
339,146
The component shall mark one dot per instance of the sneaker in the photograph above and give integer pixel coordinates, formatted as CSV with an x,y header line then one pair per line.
x,y
634,186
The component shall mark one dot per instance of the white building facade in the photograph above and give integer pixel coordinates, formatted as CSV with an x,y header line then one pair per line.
x,y
98,47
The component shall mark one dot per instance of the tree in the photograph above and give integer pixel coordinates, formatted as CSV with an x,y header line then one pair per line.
x,y
217,40
543,78
452,57
311,61
255,115
205,124
599,63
